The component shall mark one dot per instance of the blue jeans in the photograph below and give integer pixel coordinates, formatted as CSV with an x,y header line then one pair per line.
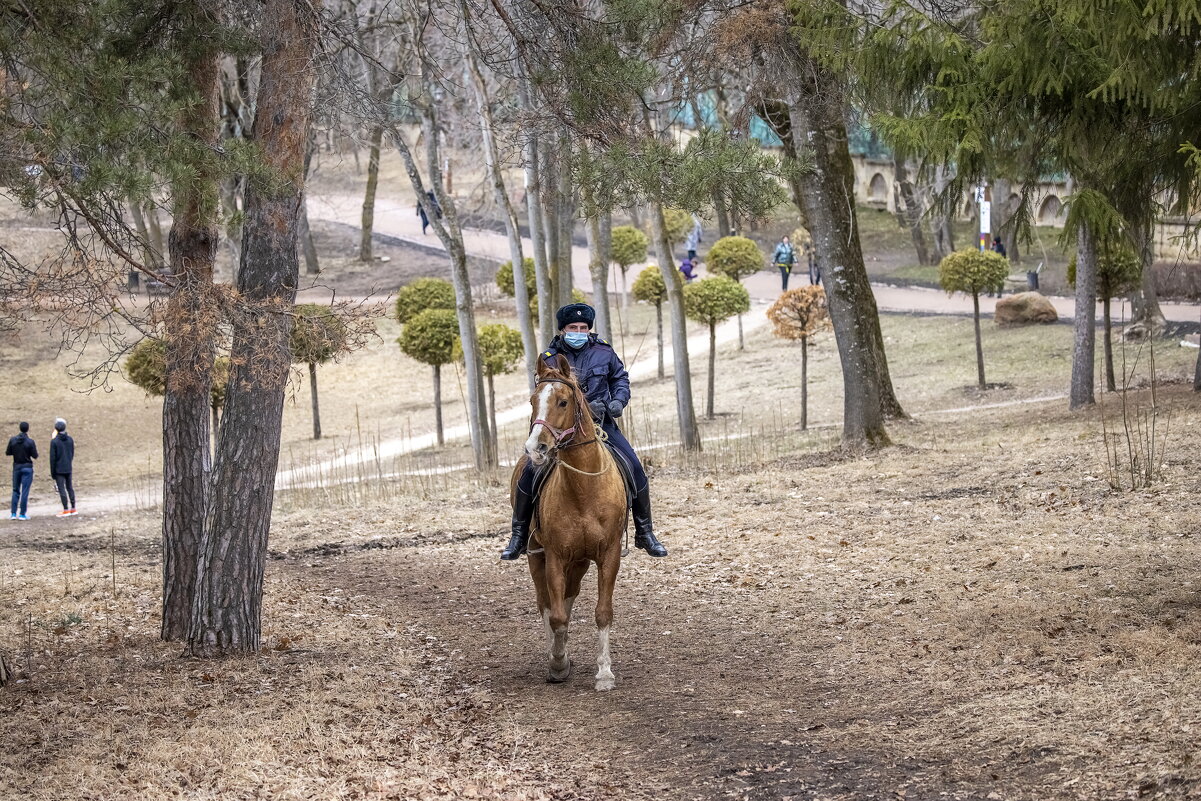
x,y
22,481
618,440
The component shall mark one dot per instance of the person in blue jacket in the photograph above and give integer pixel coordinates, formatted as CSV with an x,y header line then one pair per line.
x,y
606,385
23,450
62,455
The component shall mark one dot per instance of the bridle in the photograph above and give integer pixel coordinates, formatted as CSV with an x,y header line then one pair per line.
x,y
563,436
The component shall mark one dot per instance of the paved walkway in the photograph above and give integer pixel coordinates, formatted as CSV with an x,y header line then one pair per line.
x,y
397,218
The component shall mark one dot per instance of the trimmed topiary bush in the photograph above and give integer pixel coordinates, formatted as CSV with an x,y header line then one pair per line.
x,y
710,301
798,314
422,294
972,272
317,336
430,337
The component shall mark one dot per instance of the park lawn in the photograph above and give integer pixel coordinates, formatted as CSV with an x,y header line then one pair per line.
x,y
972,611
378,395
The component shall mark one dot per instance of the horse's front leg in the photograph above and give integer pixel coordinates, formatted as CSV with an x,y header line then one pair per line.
x,y
556,619
606,579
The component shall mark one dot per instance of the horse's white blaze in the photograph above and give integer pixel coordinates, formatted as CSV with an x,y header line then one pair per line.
x,y
539,414
604,664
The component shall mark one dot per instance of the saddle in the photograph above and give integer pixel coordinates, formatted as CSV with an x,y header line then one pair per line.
x,y
544,471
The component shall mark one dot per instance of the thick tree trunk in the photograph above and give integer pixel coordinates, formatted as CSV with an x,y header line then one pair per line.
x,y
804,383
1084,348
828,200
712,370
191,333
227,612
909,210
313,392
368,223
512,230
979,346
215,431
690,436
438,404
1110,382
659,336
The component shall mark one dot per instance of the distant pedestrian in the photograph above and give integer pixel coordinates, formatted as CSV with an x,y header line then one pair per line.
x,y
998,247
688,268
23,450
693,240
432,201
784,258
62,454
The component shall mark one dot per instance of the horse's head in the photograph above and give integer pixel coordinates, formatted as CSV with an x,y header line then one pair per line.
x,y
558,411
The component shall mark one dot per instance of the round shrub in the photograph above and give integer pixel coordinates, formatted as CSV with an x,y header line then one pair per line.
x,y
317,334
972,271
430,336
628,245
735,257
423,294
504,278
714,299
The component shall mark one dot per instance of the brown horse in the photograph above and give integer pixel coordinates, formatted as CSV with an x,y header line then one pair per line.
x,y
581,515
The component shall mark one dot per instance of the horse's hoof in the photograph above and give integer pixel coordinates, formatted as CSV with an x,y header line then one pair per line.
x,y
558,676
603,685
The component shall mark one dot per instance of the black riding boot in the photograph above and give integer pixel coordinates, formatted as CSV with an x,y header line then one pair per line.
x,y
644,537
523,513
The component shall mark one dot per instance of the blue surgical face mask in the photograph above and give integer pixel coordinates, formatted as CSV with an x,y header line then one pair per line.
x,y
575,340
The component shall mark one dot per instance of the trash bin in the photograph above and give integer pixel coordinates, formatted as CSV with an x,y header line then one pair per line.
x,y
1032,280
133,280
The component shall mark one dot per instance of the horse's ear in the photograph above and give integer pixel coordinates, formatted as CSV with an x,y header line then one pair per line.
x,y
541,368
562,365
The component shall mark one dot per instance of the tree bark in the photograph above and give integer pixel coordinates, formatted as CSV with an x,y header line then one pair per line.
x,y
154,226
492,413
450,233
512,230
1110,382
311,265
438,404
1084,348
191,332
804,383
941,214
909,210
566,216
550,224
659,335
368,220
313,392
979,346
598,269
712,370
828,200
690,437
533,201
227,612
1144,301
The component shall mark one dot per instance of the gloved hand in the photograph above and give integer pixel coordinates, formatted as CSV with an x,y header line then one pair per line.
x,y
597,407
615,408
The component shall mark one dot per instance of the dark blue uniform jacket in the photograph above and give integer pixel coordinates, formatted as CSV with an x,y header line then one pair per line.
x,y
597,368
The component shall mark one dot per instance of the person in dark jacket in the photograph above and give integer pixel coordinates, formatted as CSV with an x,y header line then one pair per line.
x,y
784,258
23,450
62,454
606,385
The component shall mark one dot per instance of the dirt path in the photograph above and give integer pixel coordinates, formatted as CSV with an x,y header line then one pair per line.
x,y
711,703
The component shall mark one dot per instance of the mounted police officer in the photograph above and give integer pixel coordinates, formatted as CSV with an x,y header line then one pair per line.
x,y
606,385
